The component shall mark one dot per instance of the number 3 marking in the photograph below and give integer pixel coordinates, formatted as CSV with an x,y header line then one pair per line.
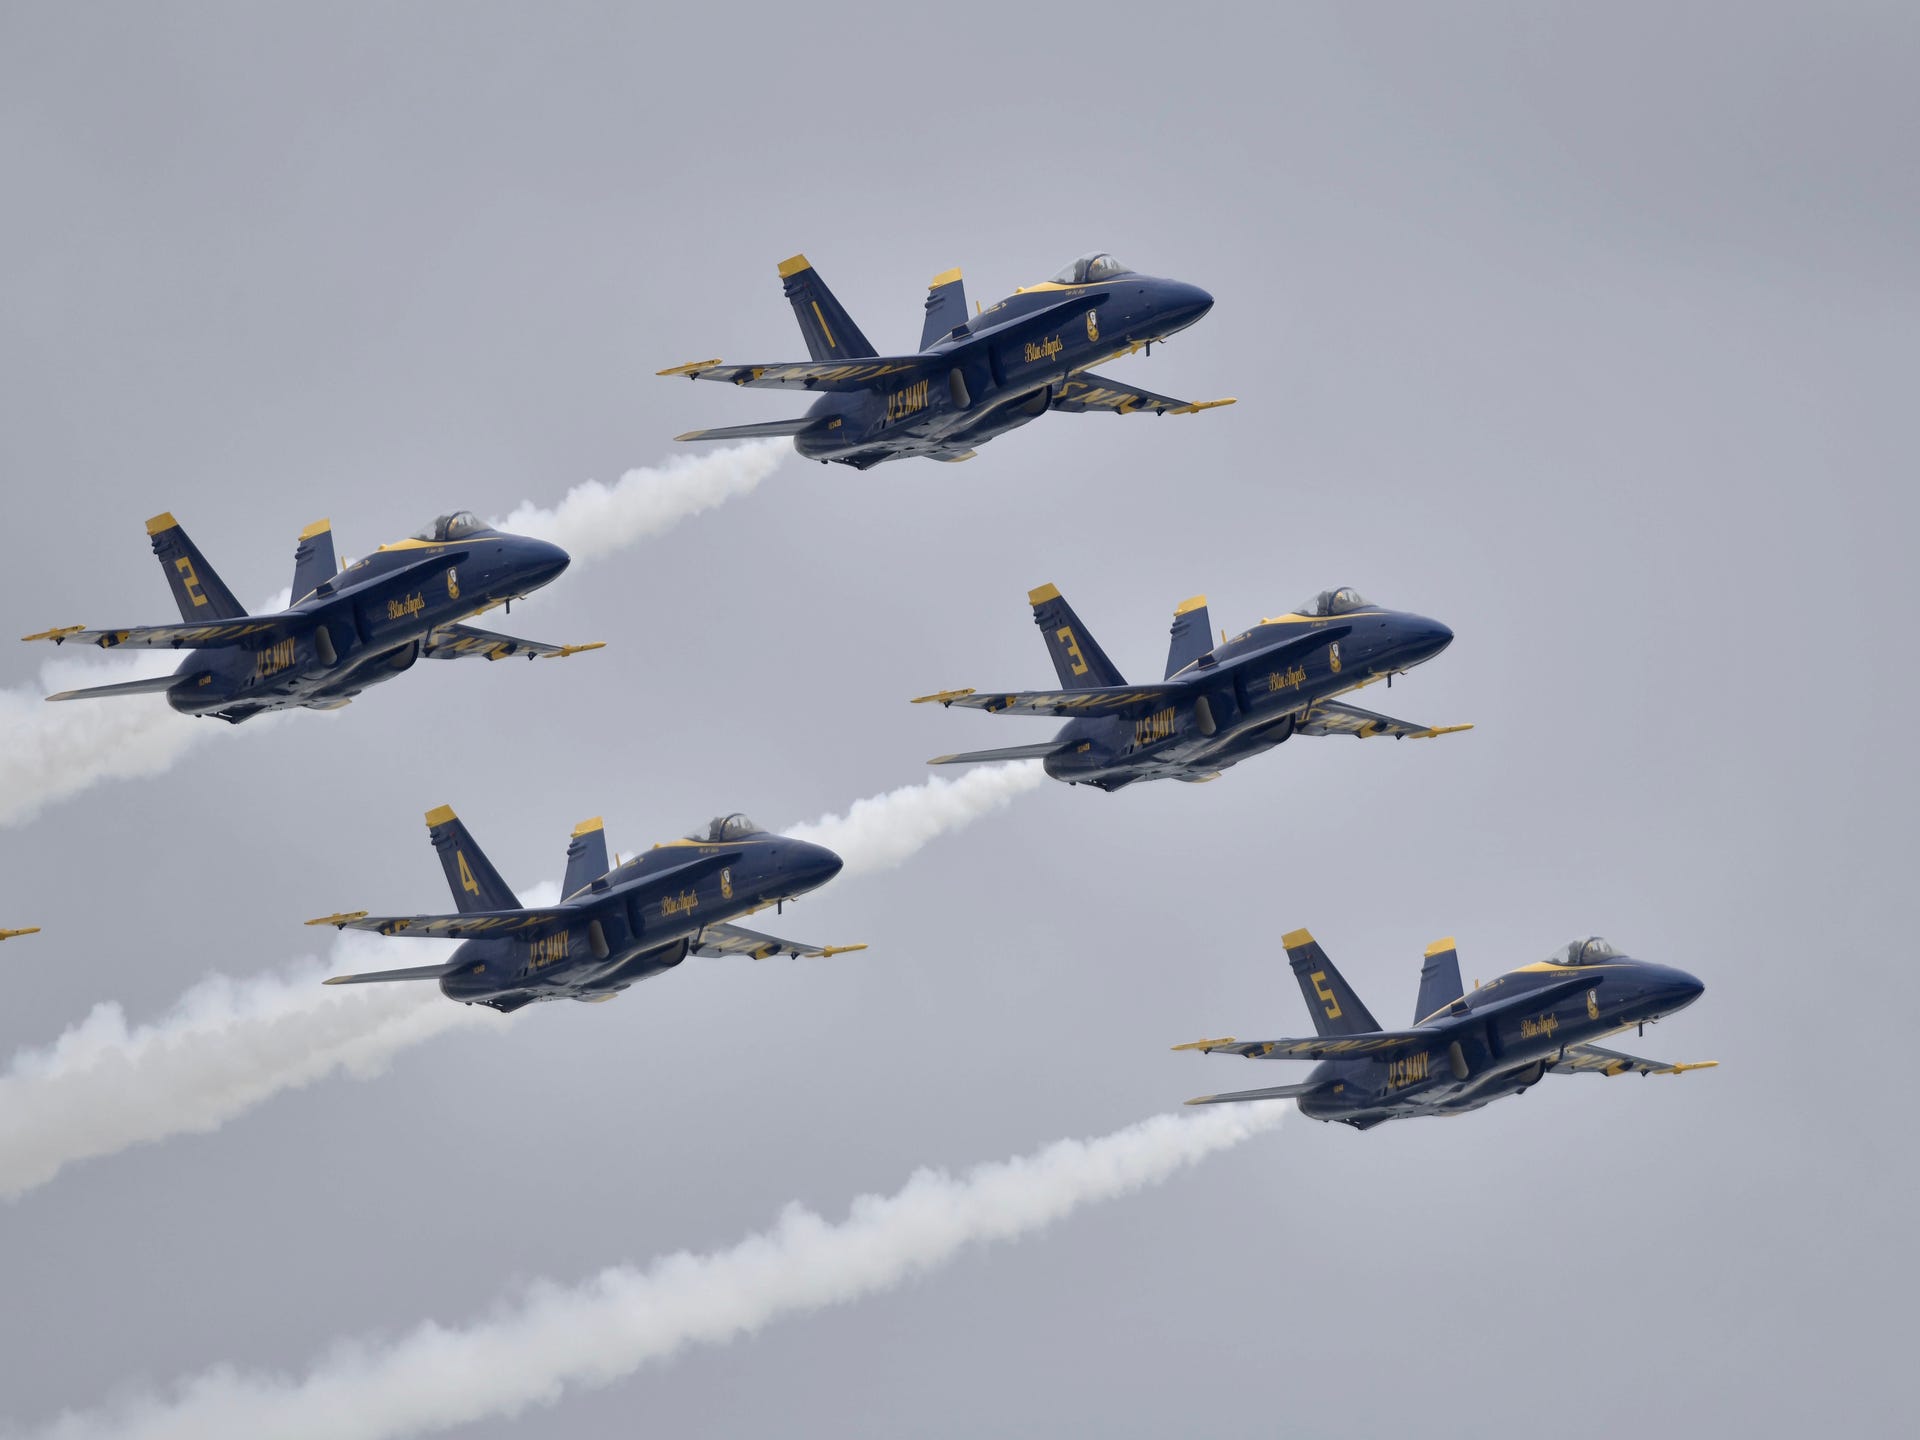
x,y
1065,633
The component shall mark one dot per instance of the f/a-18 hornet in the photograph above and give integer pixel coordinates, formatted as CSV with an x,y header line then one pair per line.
x,y
1219,704
614,926
975,376
345,630
1465,1048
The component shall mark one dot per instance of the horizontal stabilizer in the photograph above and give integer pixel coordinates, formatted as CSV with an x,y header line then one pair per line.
x,y
1038,751
416,972
153,685
763,429
1272,1092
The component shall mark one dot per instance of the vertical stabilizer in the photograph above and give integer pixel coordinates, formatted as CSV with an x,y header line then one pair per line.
x,y
586,857
313,562
476,885
1439,980
946,307
1336,1010
1192,635
198,592
1077,657
829,330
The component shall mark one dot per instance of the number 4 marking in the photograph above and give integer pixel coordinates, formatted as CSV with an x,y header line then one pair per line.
x,y
467,882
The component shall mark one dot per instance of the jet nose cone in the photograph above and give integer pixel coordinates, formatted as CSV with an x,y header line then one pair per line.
x,y
544,561
1426,638
1185,304
1686,989
815,865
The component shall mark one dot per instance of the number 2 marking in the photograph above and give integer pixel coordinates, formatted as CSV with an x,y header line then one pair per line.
x,y
189,580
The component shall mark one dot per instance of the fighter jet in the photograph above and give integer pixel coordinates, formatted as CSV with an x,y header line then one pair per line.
x,y
9,934
614,926
1219,704
345,630
1465,1048
975,376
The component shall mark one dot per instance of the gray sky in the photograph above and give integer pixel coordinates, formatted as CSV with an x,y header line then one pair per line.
x,y
1589,331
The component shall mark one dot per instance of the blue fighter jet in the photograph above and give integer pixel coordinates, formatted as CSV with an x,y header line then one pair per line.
x,y
615,925
1219,703
1465,1048
975,376
345,630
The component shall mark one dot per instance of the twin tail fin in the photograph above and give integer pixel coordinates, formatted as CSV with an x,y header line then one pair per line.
x,y
476,885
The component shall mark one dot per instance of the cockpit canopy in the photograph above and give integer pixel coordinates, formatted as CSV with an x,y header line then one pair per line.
x,y
723,828
457,526
1095,265
1591,951
1343,601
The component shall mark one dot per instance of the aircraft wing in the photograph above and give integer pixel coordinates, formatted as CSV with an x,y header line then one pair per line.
x,y
1577,1059
1332,718
809,375
1037,751
249,632
1375,1045
1272,1092
452,927
457,642
1097,700
738,940
1088,392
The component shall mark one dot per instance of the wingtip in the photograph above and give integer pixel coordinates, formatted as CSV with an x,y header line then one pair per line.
x,y
941,697
339,919
691,368
1205,1044
826,950
57,635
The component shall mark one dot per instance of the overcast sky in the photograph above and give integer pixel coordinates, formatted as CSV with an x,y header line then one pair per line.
x,y
1587,330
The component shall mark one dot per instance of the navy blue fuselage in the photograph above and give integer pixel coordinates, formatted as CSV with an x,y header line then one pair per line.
x,y
646,932
946,409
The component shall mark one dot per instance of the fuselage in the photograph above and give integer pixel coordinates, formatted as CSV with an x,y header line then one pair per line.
x,y
1000,385
363,641
644,930
1508,1053
1250,707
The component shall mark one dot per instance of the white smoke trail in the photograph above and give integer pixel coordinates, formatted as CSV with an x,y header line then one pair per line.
x,y
882,831
224,1047
598,1332
51,752
228,1045
48,752
593,520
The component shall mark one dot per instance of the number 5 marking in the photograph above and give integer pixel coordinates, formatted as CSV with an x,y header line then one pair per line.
x,y
1319,978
